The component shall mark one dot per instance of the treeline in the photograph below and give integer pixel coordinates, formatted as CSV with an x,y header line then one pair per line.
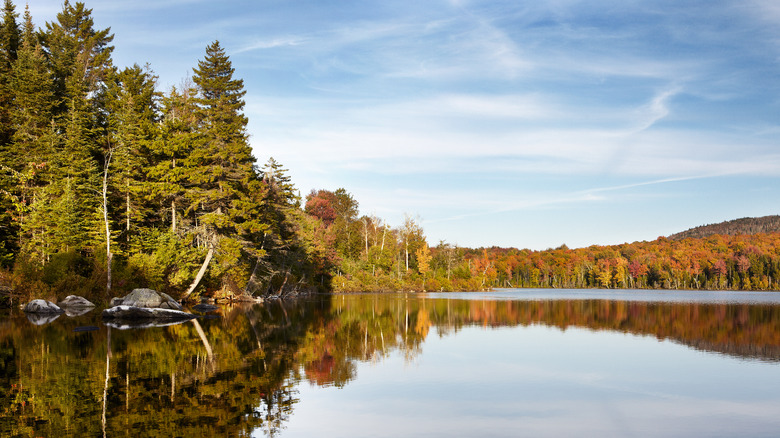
x,y
741,262
107,184
747,225
368,255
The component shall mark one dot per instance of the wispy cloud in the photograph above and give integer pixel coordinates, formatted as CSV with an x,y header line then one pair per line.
x,y
657,109
272,44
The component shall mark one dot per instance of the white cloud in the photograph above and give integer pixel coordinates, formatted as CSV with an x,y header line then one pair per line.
x,y
273,43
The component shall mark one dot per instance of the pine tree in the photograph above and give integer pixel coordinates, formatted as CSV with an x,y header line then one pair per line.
x,y
166,175
9,46
221,169
32,113
132,103
80,60
283,257
80,56
222,154
11,168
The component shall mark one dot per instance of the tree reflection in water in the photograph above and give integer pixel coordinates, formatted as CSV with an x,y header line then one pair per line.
x,y
239,373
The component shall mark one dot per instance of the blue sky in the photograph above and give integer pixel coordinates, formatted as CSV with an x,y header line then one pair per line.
x,y
509,123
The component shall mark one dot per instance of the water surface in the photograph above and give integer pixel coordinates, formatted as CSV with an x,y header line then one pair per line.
x,y
503,363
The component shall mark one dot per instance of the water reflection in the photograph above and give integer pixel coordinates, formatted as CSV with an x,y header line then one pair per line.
x,y
240,373
226,377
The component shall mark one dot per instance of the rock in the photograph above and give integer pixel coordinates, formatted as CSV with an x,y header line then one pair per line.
x,y
132,313
75,302
75,305
147,298
42,307
204,308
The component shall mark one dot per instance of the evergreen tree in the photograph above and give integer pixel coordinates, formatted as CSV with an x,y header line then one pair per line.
x,y
32,112
80,59
221,170
80,56
222,156
9,46
282,253
11,167
132,103
166,174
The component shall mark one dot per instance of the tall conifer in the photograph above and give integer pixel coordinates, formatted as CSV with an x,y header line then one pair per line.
x,y
80,59
9,46
221,168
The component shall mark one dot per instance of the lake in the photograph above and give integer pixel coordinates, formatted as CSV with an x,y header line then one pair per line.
x,y
508,363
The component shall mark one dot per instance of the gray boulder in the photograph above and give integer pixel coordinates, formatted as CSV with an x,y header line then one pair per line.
x,y
147,298
75,302
42,307
132,313
75,305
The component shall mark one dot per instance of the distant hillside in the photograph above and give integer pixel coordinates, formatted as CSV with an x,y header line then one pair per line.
x,y
747,225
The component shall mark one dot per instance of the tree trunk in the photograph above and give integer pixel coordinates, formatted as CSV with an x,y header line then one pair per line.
x,y
201,272
173,216
127,207
107,223
365,233
406,254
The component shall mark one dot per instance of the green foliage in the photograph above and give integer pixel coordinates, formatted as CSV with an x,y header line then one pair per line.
x,y
159,259
99,166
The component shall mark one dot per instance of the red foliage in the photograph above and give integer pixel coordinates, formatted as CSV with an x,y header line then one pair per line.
x,y
321,204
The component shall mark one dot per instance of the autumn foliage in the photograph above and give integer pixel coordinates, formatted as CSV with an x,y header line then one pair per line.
x,y
370,256
740,262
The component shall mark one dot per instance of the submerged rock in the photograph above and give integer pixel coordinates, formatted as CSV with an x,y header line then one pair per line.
x,y
147,298
205,308
42,307
132,313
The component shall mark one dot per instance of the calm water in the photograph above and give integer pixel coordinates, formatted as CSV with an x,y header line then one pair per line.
x,y
505,363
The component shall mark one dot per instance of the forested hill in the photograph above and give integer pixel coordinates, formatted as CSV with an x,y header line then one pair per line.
x,y
747,225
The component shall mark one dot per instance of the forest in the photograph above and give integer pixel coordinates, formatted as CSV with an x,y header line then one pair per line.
x,y
108,183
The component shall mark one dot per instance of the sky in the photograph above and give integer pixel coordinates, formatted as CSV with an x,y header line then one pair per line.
x,y
515,123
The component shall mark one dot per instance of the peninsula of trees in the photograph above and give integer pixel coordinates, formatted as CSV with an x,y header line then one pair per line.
x,y
107,184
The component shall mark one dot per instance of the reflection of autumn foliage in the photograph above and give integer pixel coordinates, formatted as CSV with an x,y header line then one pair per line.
x,y
738,329
320,371
366,327
369,325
